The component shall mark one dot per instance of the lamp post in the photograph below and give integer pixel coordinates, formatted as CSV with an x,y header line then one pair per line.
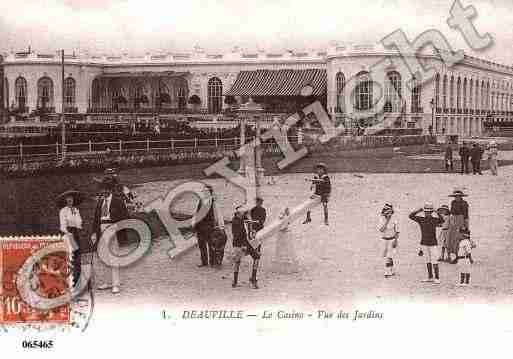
x,y
251,160
432,104
63,119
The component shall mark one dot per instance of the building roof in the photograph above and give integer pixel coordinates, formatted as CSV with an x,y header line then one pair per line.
x,y
285,82
125,74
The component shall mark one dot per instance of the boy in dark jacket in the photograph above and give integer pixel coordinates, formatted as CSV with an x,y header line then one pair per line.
x,y
428,242
241,246
322,187
464,153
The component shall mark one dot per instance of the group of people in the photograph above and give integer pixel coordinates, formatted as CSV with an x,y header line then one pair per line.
x,y
113,203
472,155
245,226
454,237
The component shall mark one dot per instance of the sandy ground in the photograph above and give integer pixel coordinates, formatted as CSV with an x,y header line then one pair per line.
x,y
340,263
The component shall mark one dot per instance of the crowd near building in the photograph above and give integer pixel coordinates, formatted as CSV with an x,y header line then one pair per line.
x,y
460,99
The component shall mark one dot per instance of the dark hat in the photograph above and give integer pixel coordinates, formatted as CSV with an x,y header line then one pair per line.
x,y
78,198
444,208
465,233
259,199
107,183
322,165
387,207
458,193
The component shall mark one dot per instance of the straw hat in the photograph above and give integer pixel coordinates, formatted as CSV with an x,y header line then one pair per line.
x,y
458,193
493,144
444,208
78,198
428,207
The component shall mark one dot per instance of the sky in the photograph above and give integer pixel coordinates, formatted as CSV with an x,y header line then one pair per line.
x,y
140,26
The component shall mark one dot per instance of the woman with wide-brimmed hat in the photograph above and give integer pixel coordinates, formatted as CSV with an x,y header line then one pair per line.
x,y
70,224
458,220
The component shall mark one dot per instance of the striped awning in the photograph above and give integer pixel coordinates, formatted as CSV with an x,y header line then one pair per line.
x,y
285,82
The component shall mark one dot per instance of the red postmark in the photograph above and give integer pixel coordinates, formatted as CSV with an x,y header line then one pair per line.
x,y
49,279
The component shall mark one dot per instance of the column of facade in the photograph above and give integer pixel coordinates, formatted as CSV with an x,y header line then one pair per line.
x,y
31,92
82,91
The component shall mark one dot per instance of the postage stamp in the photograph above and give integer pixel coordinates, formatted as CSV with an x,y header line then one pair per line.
x,y
49,278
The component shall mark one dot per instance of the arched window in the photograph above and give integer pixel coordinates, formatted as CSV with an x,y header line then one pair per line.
x,y
20,92
182,94
416,93
182,98
163,97
95,93
45,93
138,94
69,92
363,92
340,83
393,92
492,104
451,93
437,91
444,92
215,95
118,100
465,94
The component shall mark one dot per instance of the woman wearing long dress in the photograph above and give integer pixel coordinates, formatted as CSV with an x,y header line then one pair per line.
x,y
457,221
70,225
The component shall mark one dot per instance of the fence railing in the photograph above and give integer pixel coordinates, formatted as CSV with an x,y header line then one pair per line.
x,y
30,153
33,153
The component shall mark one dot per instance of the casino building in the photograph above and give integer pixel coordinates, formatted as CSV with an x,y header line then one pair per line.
x,y
457,100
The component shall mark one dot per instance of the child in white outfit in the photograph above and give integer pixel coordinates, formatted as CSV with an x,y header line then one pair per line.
x,y
389,234
465,260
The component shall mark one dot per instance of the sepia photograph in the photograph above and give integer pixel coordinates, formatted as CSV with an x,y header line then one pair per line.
x,y
233,178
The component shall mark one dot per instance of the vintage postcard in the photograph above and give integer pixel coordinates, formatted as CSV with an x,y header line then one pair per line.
x,y
236,178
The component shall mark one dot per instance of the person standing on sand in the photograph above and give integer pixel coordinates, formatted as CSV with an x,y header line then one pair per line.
x,y
458,220
389,234
444,212
492,158
464,153
464,259
321,185
475,158
448,158
428,224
